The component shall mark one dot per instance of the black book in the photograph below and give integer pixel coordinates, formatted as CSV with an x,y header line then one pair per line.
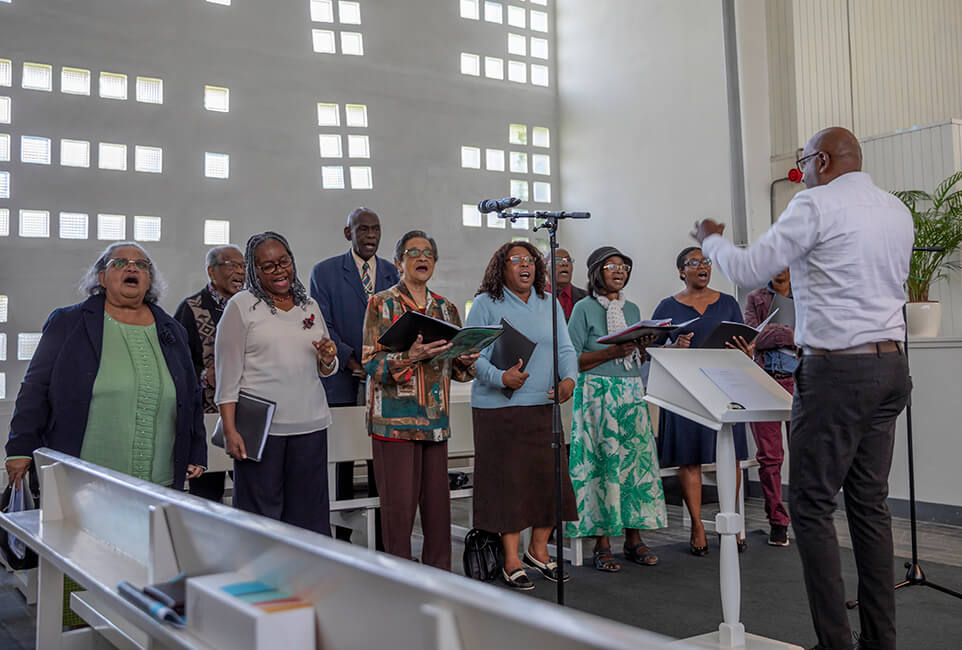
x,y
727,330
252,418
402,334
512,345
660,329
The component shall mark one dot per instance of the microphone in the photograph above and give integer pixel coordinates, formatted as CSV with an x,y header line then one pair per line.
x,y
490,205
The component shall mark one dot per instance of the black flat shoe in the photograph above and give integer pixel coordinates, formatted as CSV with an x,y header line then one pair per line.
x,y
549,571
517,580
697,551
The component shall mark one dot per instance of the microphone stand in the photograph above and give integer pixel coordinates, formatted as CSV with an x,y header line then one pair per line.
x,y
914,576
550,224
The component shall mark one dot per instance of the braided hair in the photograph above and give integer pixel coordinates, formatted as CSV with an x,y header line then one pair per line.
x,y
298,292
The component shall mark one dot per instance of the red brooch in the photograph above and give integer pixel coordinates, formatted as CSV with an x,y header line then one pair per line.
x,y
309,322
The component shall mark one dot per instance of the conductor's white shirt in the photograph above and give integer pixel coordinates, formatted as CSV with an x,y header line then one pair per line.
x,y
847,245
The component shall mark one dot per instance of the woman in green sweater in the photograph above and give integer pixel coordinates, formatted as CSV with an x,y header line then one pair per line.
x,y
613,462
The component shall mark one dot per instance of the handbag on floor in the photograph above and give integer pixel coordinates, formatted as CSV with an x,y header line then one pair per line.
x,y
483,555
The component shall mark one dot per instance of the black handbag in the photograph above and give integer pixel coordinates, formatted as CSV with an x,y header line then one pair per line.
x,y
483,555
13,559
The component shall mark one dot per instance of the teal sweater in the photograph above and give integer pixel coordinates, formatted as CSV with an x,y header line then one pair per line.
x,y
589,322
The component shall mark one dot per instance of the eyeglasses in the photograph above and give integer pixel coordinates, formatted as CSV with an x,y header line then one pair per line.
x,y
617,267
521,259
272,267
563,260
800,162
415,252
693,264
231,266
123,262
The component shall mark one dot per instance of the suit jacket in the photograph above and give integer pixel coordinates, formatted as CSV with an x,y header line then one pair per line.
x,y
54,399
336,286
577,294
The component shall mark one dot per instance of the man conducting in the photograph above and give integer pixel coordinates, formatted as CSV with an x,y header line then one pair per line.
x,y
848,245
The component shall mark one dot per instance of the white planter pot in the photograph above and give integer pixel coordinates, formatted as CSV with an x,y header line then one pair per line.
x,y
923,319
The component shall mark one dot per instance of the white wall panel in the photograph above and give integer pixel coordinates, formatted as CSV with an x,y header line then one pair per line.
x,y
781,76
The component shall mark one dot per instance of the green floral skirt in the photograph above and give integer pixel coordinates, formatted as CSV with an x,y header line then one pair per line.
x,y
613,462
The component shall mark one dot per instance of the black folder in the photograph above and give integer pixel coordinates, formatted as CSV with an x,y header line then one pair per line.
x,y
512,345
402,334
252,418
727,330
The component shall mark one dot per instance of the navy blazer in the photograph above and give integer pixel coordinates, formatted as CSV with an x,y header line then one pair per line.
x,y
54,399
336,286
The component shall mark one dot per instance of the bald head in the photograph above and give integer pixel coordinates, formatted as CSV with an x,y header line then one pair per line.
x,y
828,154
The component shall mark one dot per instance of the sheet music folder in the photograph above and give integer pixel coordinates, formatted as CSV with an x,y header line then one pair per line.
x,y
252,418
727,330
402,334
512,345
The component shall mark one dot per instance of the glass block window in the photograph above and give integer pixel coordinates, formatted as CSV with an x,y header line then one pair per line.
x,y
113,85
34,223
358,146
322,11
517,134
35,150
494,221
6,72
150,90
494,160
540,136
3,348
470,9
348,12
148,159
517,17
74,81
216,232
518,71
113,156
328,115
216,165
539,75
4,303
493,12
217,99
539,21
226,3
146,228
4,185
27,343
493,67
541,164
470,64
73,225
519,189
542,192
471,157
517,45
4,147
519,162
74,153
3,379
543,3
330,144
520,224
356,115
37,76
111,227
539,48
332,177
362,178
5,110
470,216
4,224
324,42
352,43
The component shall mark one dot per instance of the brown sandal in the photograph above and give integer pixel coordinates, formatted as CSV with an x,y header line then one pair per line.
x,y
641,554
604,561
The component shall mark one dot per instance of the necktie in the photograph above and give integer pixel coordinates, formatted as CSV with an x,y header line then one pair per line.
x,y
366,279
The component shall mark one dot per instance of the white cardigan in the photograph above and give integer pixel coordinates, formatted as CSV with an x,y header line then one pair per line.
x,y
272,356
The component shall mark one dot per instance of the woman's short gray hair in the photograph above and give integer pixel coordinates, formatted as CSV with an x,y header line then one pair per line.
x,y
90,283
215,255
408,236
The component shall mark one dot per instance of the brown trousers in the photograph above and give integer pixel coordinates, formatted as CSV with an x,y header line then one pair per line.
x,y
411,474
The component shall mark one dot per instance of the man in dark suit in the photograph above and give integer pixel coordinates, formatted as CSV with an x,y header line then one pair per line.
x,y
568,294
341,285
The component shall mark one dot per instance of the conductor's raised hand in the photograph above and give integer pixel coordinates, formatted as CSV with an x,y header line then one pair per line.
x,y
683,340
326,351
420,350
739,343
566,388
514,377
707,227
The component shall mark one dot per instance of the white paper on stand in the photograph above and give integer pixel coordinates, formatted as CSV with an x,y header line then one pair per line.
x,y
742,390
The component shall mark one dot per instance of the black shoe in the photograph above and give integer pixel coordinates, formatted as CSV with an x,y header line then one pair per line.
x,y
778,536
697,551
517,580
550,570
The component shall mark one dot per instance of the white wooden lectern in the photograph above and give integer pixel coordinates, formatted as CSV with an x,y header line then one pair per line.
x,y
717,388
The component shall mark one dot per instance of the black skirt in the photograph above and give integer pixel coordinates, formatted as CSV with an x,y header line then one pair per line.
x,y
514,470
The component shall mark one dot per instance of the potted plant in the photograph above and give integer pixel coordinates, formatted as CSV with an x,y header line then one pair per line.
x,y
938,224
